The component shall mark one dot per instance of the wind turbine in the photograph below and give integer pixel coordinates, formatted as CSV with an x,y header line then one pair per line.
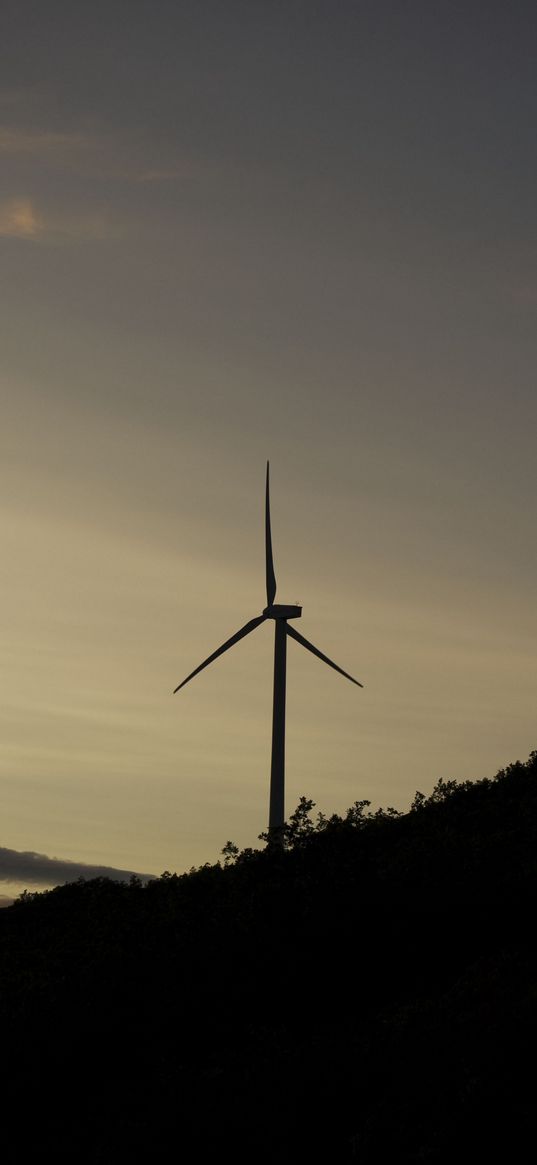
x,y
281,615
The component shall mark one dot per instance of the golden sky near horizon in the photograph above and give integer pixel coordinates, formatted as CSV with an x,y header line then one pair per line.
x,y
228,235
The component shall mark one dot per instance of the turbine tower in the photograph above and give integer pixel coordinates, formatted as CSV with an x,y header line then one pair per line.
x,y
282,629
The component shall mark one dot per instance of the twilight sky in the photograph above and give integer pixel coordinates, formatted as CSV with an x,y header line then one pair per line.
x,y
232,231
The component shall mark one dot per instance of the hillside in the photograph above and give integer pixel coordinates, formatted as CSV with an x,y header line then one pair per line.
x,y
369,994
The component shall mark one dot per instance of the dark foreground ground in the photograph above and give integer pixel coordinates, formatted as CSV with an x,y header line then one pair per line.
x,y
368,995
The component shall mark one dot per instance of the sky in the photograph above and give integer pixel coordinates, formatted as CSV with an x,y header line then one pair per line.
x,y
233,231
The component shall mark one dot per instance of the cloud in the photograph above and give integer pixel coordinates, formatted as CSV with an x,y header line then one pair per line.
x,y
165,174
81,226
39,143
19,219
38,869
98,156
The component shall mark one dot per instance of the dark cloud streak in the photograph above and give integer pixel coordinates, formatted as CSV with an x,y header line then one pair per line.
x,y
38,869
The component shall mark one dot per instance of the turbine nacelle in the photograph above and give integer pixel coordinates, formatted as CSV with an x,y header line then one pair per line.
x,y
280,611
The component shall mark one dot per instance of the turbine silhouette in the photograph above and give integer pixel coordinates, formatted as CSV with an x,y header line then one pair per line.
x,y
281,614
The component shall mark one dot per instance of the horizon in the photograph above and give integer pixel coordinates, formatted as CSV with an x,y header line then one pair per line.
x,y
228,234
50,873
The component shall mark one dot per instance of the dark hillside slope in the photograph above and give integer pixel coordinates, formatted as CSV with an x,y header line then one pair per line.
x,y
370,994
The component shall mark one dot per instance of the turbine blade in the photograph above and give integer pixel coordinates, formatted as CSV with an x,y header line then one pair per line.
x,y
271,580
315,651
220,650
